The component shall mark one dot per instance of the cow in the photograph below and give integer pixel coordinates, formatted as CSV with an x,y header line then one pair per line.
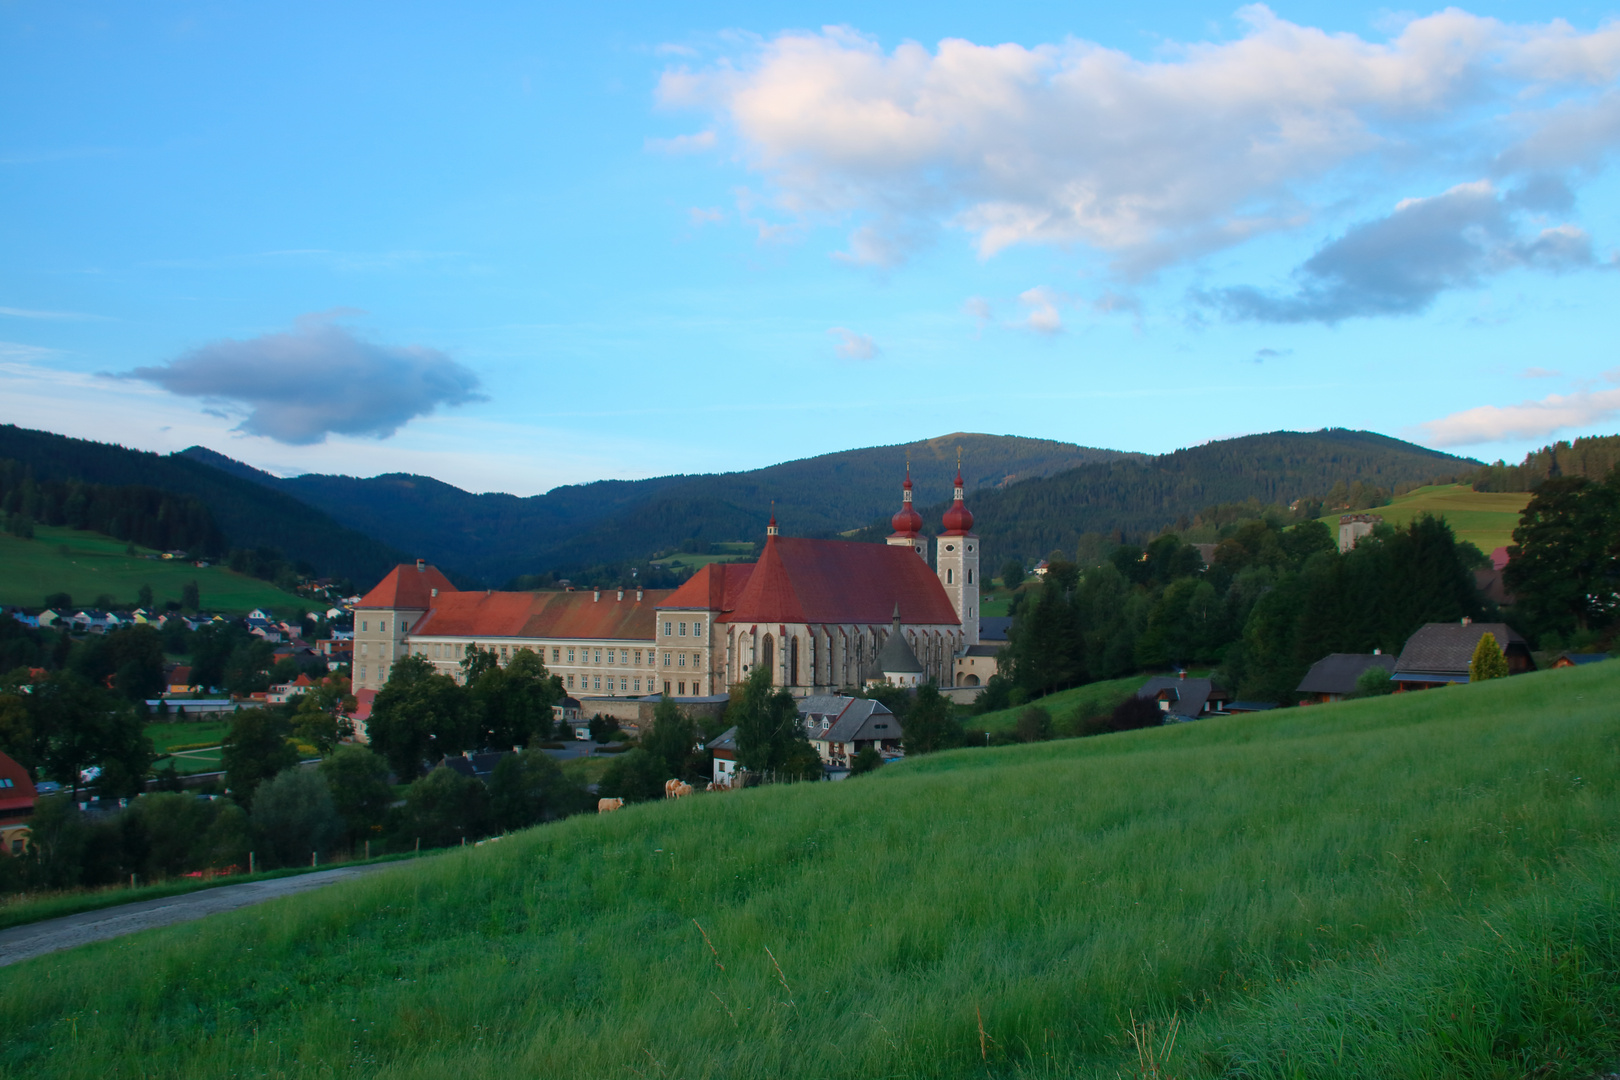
x,y
718,785
607,806
676,789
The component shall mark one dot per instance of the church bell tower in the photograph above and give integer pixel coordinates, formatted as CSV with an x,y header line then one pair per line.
x,y
908,523
957,562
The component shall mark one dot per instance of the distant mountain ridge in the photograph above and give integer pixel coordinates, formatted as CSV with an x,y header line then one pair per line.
x,y
496,537
1140,495
249,515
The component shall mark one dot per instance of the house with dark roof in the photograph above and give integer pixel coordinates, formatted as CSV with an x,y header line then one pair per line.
x,y
839,727
1575,659
1181,698
1438,654
1335,676
723,751
976,663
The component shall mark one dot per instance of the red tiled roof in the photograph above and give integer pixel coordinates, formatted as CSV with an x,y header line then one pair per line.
x,y
713,588
542,615
838,581
408,587
363,702
22,785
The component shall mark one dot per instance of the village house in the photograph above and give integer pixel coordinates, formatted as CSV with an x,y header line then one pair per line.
x,y
1335,677
1438,654
840,727
1181,698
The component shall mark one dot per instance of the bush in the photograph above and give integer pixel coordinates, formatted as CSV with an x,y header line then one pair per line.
x,y
603,728
1374,682
636,777
1034,724
1132,713
868,760
444,808
529,787
293,817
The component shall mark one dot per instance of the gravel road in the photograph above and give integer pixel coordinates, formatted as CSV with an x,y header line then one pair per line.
x,y
36,939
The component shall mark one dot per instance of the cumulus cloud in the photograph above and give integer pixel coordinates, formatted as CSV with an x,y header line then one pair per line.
x,y
1151,161
1043,316
1397,265
852,346
1526,420
318,378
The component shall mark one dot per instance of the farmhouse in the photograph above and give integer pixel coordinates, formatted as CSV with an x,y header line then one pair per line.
x,y
1439,653
840,727
1181,698
1334,677
817,613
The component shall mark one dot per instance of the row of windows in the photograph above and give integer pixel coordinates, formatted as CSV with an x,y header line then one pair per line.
x,y
670,629
382,626
627,683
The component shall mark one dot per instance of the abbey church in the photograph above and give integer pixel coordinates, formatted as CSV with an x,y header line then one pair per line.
x,y
816,613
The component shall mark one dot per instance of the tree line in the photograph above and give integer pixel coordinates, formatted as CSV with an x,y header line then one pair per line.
x,y
134,513
1275,598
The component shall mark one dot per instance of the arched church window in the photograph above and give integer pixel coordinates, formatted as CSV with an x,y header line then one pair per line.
x,y
768,657
793,661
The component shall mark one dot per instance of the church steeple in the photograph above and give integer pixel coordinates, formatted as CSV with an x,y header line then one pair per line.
x,y
956,560
908,523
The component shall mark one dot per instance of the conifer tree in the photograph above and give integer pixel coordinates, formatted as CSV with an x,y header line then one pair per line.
x,y
1488,661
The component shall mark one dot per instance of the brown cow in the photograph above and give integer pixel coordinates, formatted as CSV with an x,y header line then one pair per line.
x,y
607,806
675,789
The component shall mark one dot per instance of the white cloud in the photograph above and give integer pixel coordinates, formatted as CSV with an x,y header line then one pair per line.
x,y
1526,420
1043,317
853,346
979,308
1540,373
317,379
705,215
1150,161
683,144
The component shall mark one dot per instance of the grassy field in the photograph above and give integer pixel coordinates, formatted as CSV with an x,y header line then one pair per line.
x,y
1093,699
94,564
1421,885
720,552
166,735
1485,519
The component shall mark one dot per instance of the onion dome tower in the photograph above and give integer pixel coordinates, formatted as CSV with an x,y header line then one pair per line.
x,y
957,561
908,523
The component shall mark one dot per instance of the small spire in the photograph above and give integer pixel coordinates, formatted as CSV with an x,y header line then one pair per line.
x,y
770,530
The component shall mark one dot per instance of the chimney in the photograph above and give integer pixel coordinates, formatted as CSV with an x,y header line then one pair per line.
x,y
621,594
1466,621
435,592
1378,652
421,565
596,596
1182,674
638,596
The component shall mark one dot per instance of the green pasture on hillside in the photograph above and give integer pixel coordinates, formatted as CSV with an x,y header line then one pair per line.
x,y
1093,699
167,735
719,552
31,570
1484,518
1421,885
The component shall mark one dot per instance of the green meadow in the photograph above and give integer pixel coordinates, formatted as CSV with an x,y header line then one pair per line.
x,y
31,570
1484,518
724,551
1421,885
1093,699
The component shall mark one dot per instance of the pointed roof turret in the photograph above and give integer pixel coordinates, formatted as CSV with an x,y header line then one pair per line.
x,y
958,521
907,523
897,656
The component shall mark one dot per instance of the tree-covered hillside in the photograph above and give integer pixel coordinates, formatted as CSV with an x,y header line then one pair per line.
x,y
1592,458
1136,497
497,537
249,515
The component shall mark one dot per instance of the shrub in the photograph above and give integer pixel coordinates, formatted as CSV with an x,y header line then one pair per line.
x,y
868,760
1034,724
1374,682
293,817
1488,661
636,777
529,787
444,808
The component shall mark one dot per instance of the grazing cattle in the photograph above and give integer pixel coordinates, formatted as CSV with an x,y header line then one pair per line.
x,y
676,789
607,806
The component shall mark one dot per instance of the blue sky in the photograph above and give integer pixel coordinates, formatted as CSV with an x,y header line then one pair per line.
x,y
517,246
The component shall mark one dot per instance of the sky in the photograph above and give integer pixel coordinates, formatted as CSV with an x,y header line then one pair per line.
x,y
517,246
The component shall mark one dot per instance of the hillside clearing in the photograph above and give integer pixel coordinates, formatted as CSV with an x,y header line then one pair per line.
x,y
1415,885
1092,699
1485,519
31,570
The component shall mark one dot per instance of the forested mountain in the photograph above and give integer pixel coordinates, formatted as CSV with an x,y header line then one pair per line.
x,y
248,514
497,537
1591,457
1136,497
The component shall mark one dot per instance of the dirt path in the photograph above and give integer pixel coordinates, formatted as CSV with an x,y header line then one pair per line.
x,y
36,939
